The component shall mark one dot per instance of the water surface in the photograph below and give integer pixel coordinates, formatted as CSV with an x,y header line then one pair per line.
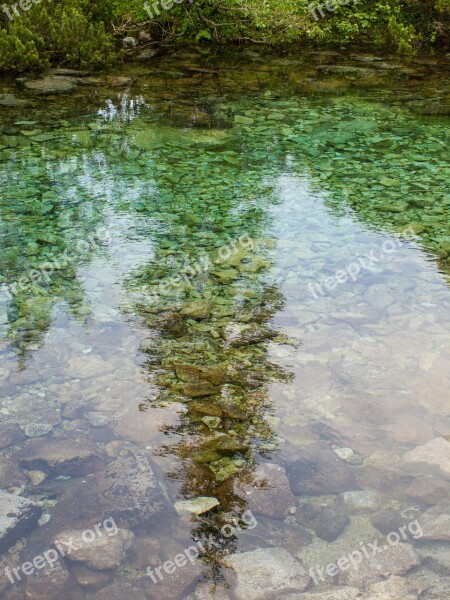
x,y
215,271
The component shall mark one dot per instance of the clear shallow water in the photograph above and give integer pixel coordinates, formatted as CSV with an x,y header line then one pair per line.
x,y
253,358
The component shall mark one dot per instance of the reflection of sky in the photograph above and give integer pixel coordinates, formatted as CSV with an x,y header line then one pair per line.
x,y
313,244
127,108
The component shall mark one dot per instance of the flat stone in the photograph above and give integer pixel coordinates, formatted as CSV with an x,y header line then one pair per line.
x,y
83,367
18,516
215,447
196,506
207,591
276,116
89,578
437,591
395,588
175,584
103,552
52,584
391,519
61,72
197,390
34,430
52,85
435,454
361,500
10,434
264,574
11,101
334,593
121,591
74,457
265,490
318,470
239,334
437,553
198,309
205,407
11,475
243,120
96,419
118,82
435,523
327,522
193,374
127,490
393,560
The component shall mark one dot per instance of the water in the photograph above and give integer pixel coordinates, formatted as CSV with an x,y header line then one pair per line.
x,y
205,274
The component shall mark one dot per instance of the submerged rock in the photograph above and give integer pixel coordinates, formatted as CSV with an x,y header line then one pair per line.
x,y
205,407
215,448
434,454
100,551
265,490
395,588
121,591
10,434
212,423
34,430
238,334
52,583
127,490
37,477
196,506
199,309
265,574
11,101
361,500
327,522
89,578
97,419
435,523
389,560
318,470
214,374
334,593
437,592
197,390
18,516
243,120
207,591
226,467
52,85
75,457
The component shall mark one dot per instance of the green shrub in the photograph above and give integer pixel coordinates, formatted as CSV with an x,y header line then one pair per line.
x,y
66,36
80,32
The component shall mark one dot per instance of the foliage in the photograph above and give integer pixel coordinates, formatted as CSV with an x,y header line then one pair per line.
x,y
65,34
81,32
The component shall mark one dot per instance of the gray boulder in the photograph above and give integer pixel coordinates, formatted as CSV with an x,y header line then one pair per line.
x,y
18,516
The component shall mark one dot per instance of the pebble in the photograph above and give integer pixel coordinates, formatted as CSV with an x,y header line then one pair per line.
x,y
35,430
196,506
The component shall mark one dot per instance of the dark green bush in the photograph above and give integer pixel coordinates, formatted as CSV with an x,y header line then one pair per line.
x,y
58,33
80,32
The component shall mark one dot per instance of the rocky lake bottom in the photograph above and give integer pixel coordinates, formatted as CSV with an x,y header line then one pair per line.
x,y
225,330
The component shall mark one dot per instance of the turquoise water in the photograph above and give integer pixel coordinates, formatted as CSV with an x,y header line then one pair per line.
x,y
215,273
